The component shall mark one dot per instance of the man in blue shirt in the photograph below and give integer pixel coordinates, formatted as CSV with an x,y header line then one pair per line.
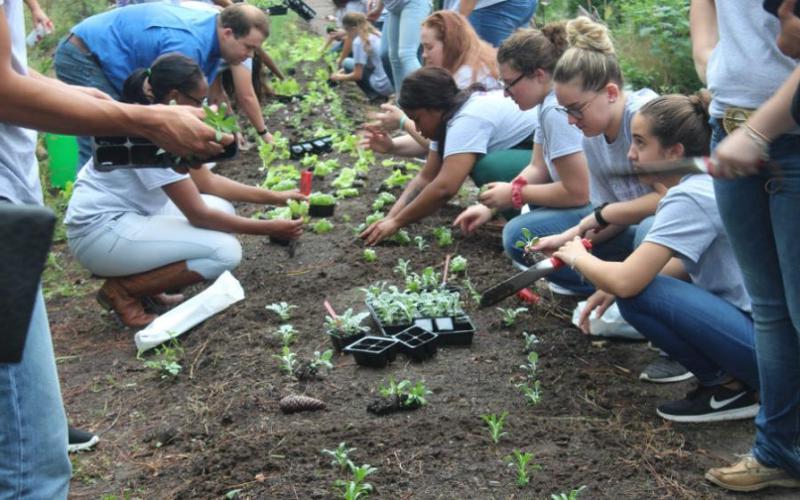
x,y
103,50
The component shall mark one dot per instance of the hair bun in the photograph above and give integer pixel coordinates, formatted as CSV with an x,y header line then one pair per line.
x,y
556,32
583,33
700,101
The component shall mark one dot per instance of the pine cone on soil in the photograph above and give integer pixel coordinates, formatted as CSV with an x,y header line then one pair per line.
x,y
295,403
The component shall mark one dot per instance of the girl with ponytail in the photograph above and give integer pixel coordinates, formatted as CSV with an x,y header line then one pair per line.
x,y
681,288
365,67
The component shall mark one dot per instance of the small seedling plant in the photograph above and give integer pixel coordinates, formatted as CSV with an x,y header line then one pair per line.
x,y
530,341
346,324
282,309
510,314
520,460
217,120
341,456
474,294
287,360
322,360
287,334
531,391
530,367
495,424
321,199
528,239
420,243
407,394
572,495
356,488
166,360
458,264
370,255
383,200
322,226
401,268
444,236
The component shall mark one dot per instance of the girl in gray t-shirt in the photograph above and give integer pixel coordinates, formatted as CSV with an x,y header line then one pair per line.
x,y
681,288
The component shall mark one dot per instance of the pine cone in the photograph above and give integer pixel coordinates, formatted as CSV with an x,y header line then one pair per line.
x,y
294,403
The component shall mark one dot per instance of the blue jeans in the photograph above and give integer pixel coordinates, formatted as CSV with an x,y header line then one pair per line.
x,y
544,221
349,65
496,22
76,68
762,217
401,33
705,333
33,427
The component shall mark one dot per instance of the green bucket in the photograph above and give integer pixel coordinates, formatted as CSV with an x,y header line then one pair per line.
x,y
63,153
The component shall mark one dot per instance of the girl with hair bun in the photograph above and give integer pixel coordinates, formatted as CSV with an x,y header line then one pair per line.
x,y
556,181
365,67
681,288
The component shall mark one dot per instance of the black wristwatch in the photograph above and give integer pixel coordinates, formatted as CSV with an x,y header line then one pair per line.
x,y
598,215
261,132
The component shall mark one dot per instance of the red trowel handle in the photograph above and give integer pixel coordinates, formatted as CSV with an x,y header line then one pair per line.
x,y
558,263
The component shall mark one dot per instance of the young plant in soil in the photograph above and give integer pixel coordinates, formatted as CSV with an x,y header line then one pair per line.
x,y
419,241
401,268
282,309
572,495
341,456
530,341
346,324
397,179
322,360
384,198
166,361
531,391
370,255
347,193
357,487
322,226
495,424
321,199
325,168
401,237
521,460
444,236
530,367
287,334
429,279
510,314
288,360
458,264
345,179
399,396
528,239
474,294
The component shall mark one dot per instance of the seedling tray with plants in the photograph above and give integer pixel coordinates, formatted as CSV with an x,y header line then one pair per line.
x,y
346,328
315,146
321,205
374,352
417,343
111,153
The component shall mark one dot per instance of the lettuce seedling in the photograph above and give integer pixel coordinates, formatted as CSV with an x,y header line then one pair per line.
x,y
474,294
370,255
287,359
282,309
458,264
218,121
510,314
530,341
384,198
341,456
528,239
284,185
322,360
397,179
532,393
520,460
530,367
401,268
419,241
346,144
345,179
321,199
572,495
309,161
495,424
444,236
401,237
299,209
326,167
347,193
287,334
346,324
405,392
322,226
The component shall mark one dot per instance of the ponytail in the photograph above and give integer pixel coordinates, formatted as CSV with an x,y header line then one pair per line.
x,y
679,119
169,72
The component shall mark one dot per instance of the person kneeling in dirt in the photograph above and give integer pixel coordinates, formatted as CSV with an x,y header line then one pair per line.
x,y
704,323
463,125
149,230
365,67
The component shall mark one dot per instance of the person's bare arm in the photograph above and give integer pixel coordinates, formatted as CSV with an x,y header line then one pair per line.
x,y
425,176
246,98
270,63
210,183
571,191
465,7
704,33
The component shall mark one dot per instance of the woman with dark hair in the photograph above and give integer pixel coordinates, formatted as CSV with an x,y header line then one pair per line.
x,y
463,126
149,230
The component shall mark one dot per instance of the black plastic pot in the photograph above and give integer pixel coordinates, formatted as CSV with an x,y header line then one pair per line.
x,y
110,153
374,352
417,343
279,241
321,210
387,330
339,342
454,331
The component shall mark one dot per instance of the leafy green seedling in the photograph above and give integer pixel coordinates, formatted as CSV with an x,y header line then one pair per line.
x,y
322,360
572,495
218,121
287,334
383,199
495,424
521,460
397,179
532,393
415,395
458,264
282,309
341,456
321,199
474,294
347,193
370,255
309,161
401,237
326,167
346,144
284,185
356,488
405,392
419,241
444,236
528,239
322,226
510,314
166,360
299,208
401,268
530,340
530,367
346,324
287,359
345,179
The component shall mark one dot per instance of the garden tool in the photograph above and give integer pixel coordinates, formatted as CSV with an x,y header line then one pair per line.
x,y
521,280
683,166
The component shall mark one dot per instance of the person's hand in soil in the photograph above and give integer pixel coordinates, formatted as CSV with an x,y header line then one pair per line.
x,y
338,76
281,197
181,131
377,140
599,301
548,244
571,251
379,231
388,119
497,195
285,229
472,218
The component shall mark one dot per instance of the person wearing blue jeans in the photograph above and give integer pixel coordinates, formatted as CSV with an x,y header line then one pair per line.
x,y
495,20
401,33
704,324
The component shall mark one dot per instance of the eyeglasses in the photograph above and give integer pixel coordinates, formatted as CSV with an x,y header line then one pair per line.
x,y
192,98
577,112
507,87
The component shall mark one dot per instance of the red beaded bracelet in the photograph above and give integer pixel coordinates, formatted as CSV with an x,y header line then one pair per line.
x,y
516,191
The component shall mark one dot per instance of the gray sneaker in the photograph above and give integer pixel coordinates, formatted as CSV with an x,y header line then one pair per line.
x,y
665,370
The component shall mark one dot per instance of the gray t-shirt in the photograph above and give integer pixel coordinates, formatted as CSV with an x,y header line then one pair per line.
x,y
487,122
746,67
687,221
101,196
557,137
604,158
372,60
19,170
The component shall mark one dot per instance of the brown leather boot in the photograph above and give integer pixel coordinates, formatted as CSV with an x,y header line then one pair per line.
x,y
124,294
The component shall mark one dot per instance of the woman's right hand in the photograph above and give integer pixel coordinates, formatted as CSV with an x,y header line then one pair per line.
x,y
285,229
376,140
600,301
548,244
388,119
472,218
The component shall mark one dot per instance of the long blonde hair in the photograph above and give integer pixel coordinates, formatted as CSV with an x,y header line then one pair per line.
x,y
363,28
590,58
461,44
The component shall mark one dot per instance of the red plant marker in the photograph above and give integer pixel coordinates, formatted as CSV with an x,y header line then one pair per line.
x,y
446,269
330,310
305,182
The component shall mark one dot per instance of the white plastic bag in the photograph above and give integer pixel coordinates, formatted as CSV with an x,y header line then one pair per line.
x,y
610,324
225,291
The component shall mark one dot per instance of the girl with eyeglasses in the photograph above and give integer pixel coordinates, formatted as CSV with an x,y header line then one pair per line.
x,y
557,179
149,230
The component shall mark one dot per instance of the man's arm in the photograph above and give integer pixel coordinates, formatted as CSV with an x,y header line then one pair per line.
x,y
465,7
704,32
246,97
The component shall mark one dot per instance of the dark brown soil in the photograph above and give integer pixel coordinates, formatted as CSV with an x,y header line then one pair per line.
x,y
217,427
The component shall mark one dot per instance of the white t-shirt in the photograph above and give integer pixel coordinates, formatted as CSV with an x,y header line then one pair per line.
x,y
353,6
463,78
378,80
746,67
487,122
557,137
604,158
19,170
687,221
101,196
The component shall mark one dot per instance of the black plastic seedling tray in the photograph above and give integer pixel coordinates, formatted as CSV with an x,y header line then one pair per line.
x,y
417,343
339,342
458,331
111,153
315,146
321,210
374,352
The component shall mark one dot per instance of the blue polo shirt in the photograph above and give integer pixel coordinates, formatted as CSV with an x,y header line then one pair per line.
x,y
126,39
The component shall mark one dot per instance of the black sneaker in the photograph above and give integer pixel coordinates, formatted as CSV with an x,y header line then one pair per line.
x,y
81,440
711,404
665,370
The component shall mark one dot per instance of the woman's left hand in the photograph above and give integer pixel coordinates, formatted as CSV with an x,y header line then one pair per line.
x,y
497,195
282,197
379,231
570,251
738,155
